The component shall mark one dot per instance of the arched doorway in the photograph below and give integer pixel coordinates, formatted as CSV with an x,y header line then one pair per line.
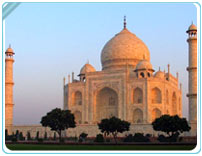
x,y
78,117
138,96
156,113
106,104
174,103
77,98
137,116
156,95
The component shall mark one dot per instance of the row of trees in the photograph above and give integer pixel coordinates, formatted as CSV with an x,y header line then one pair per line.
x,y
59,120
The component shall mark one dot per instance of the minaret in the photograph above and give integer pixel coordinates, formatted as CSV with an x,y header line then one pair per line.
x,y
192,69
9,89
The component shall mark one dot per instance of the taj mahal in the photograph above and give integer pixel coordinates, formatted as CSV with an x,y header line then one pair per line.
x,y
127,87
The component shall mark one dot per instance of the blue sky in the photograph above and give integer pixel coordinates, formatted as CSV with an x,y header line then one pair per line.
x,y
53,39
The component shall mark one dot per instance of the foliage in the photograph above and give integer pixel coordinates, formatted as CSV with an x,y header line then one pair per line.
x,y
14,139
40,140
54,137
37,135
58,120
21,136
99,138
82,137
171,125
128,138
6,134
29,136
139,137
17,134
113,126
45,136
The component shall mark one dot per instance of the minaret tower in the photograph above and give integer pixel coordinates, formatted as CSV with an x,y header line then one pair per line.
x,y
192,69
9,89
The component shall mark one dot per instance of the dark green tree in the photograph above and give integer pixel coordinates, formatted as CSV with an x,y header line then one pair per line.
x,y
113,126
6,134
37,135
21,136
29,136
58,120
171,125
45,136
54,136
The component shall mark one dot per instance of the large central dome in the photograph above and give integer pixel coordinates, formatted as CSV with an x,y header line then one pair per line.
x,y
125,48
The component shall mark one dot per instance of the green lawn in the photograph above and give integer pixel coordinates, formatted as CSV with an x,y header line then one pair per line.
x,y
98,147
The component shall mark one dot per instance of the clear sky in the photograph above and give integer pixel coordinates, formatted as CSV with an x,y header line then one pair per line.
x,y
53,39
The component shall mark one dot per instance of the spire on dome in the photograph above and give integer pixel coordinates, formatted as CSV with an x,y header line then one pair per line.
x,y
124,22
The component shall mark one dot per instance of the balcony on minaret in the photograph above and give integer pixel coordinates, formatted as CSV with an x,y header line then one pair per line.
x,y
192,32
9,52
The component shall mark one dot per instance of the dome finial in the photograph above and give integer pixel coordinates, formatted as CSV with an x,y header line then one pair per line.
x,y
9,45
124,22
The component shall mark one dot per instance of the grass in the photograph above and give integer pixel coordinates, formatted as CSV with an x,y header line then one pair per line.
x,y
97,147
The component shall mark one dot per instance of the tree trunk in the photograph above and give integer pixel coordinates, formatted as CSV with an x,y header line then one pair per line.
x,y
60,137
114,135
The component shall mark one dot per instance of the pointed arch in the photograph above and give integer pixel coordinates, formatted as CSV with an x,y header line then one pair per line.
x,y
179,104
156,95
156,113
174,103
137,116
106,103
78,117
137,96
77,98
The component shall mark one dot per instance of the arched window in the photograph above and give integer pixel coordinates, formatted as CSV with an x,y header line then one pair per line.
x,y
156,95
106,104
77,98
78,117
138,96
137,116
179,105
148,74
156,113
142,74
167,98
174,103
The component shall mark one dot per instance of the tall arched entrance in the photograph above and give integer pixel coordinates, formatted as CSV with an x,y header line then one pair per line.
x,y
106,104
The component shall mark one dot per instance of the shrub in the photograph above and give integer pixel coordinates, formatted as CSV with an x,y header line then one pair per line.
x,y
128,138
148,135
29,136
54,137
6,135
40,140
14,139
162,138
21,136
37,135
99,138
173,138
139,137
82,137
45,136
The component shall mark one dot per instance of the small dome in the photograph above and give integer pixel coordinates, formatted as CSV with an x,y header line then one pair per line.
x,y
9,50
142,65
125,48
192,27
159,74
87,68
